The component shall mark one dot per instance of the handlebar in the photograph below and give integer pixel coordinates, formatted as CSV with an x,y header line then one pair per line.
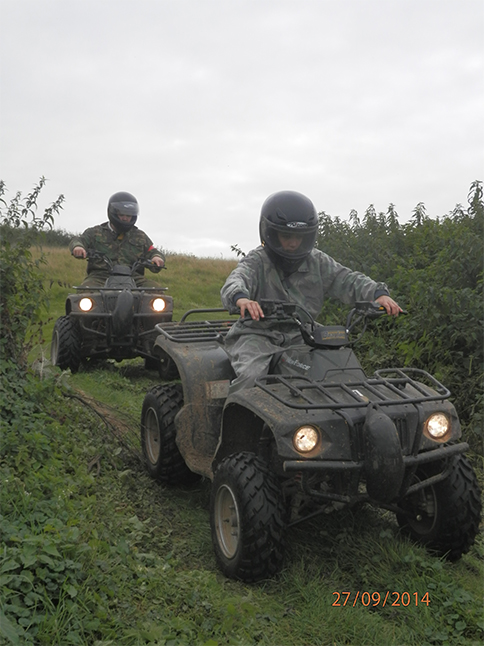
x,y
91,254
282,311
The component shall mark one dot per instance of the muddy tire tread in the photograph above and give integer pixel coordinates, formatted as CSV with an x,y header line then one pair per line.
x,y
262,513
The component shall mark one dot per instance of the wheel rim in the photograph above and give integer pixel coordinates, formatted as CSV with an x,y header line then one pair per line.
x,y
54,348
152,436
227,521
422,512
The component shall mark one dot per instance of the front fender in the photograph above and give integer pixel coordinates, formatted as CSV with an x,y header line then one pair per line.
x,y
251,413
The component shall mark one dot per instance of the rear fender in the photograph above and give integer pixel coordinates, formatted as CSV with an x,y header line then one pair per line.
x,y
205,373
198,364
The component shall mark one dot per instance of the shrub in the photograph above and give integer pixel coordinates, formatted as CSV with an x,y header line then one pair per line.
x,y
434,268
22,295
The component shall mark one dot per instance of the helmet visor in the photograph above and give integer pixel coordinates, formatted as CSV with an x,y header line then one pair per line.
x,y
293,240
129,209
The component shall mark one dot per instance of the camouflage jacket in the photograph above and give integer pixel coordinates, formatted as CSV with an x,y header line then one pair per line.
x,y
319,276
121,249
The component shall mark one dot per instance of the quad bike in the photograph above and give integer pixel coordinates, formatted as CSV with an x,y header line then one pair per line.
x,y
314,435
115,321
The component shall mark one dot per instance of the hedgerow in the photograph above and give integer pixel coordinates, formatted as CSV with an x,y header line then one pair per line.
x,y
23,299
434,268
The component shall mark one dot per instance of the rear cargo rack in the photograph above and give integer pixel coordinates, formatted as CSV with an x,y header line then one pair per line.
x,y
385,390
185,331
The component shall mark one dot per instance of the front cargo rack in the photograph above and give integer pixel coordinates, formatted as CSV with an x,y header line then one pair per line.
x,y
184,331
119,288
382,389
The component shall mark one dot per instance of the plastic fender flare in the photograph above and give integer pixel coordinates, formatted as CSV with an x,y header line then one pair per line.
x,y
241,430
197,364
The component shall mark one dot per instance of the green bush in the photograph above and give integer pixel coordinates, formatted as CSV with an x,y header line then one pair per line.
x,y
32,568
434,268
23,299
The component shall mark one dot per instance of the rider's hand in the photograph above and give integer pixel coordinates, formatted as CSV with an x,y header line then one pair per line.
x,y
79,252
252,307
392,308
158,261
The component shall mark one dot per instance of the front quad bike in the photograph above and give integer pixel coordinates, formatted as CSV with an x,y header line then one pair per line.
x,y
115,321
314,435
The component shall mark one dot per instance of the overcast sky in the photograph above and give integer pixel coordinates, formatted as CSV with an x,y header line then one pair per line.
x,y
203,108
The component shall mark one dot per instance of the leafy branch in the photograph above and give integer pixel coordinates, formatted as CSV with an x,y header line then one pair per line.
x,y
22,294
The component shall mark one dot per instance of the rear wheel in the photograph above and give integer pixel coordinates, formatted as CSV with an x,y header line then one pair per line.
x,y
158,435
247,518
65,350
445,516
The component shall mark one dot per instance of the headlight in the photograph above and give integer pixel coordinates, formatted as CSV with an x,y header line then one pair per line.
x,y
305,439
85,304
158,305
437,426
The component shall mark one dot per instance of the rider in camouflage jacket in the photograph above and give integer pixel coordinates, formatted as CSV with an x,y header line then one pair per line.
x,y
287,268
119,239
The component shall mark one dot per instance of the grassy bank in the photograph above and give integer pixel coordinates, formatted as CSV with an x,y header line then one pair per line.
x,y
193,282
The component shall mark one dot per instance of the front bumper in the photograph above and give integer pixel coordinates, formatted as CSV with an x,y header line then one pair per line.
x,y
349,465
356,469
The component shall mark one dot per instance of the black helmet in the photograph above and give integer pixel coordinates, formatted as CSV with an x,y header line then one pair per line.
x,y
122,204
288,212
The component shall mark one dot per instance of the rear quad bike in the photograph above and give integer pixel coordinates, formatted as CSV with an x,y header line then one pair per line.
x,y
314,435
115,321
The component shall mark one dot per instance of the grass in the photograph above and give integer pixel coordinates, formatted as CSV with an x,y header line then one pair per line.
x,y
149,574
193,282
131,561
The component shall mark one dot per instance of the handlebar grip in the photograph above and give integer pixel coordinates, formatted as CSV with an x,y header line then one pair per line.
x,y
155,268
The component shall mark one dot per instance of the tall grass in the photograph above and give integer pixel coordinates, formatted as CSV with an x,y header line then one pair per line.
x,y
192,282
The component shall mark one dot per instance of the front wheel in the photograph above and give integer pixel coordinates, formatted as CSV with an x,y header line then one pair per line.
x,y
445,516
158,435
247,518
65,349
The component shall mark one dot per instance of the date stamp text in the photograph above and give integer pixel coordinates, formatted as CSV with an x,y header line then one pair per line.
x,y
372,599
